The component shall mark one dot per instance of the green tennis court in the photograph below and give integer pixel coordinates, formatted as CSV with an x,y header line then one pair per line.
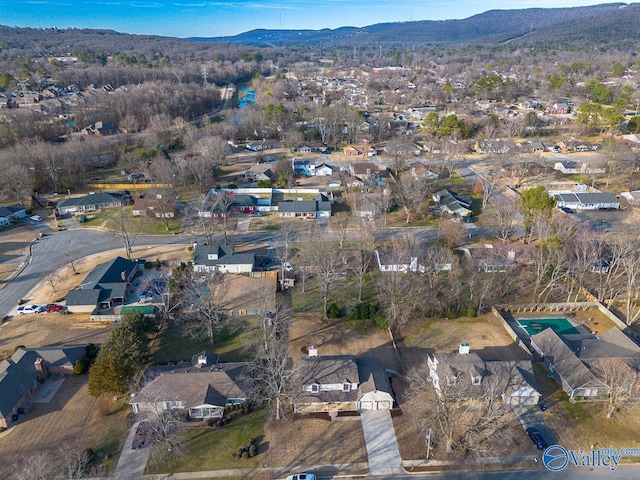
x,y
561,326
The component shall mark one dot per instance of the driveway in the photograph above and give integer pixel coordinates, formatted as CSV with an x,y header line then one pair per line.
x,y
529,416
381,442
132,462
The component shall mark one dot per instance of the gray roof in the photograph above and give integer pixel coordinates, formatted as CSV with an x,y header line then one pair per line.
x,y
327,370
610,344
226,256
586,198
104,282
92,199
211,385
305,206
373,376
563,359
18,373
11,210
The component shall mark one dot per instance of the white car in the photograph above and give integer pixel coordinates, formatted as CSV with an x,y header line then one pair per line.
x,y
302,476
29,309
287,266
36,218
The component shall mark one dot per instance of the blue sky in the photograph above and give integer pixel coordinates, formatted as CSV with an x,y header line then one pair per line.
x,y
212,18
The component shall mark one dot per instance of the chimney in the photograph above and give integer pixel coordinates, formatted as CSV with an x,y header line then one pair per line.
x,y
313,351
464,348
41,368
123,276
202,361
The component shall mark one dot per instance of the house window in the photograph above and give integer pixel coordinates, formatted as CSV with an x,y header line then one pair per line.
x,y
346,387
315,387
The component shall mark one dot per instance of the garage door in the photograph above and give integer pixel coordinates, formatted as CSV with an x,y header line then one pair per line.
x,y
367,405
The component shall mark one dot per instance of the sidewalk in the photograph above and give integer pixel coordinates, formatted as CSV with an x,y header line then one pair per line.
x,y
132,462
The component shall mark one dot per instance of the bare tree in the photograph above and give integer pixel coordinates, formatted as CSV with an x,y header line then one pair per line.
x,y
204,316
450,231
36,467
461,422
340,225
122,224
488,188
53,280
622,380
75,461
506,216
359,267
409,194
325,261
215,149
74,263
273,374
200,169
631,267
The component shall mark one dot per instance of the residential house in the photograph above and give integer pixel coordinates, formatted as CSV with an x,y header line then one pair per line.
x,y
470,377
341,383
572,167
364,170
574,376
92,202
101,129
312,148
351,151
267,144
389,259
222,259
324,170
367,205
560,108
108,284
500,257
260,171
203,387
320,206
243,203
12,212
21,373
458,205
158,207
306,167
492,146
587,201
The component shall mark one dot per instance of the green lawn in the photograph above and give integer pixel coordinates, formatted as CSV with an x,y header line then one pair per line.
x,y
212,448
107,452
344,293
171,346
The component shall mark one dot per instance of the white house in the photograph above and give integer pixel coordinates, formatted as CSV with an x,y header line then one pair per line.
x,y
323,170
222,259
587,201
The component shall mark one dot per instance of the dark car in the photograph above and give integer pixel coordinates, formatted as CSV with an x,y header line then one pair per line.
x,y
537,438
53,307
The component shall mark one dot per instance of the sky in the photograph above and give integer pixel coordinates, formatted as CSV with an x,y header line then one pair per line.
x,y
215,18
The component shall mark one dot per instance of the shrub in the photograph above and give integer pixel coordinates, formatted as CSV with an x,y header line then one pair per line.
x,y
218,423
245,454
380,322
210,423
92,350
89,454
471,311
158,263
253,450
241,450
79,367
362,311
333,311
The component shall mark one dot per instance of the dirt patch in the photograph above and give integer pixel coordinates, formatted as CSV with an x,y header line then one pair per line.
x,y
247,293
70,419
336,338
485,334
311,441
13,241
49,329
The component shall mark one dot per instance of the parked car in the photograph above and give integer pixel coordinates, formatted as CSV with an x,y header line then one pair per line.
x,y
302,476
256,214
53,307
287,266
537,438
36,218
29,309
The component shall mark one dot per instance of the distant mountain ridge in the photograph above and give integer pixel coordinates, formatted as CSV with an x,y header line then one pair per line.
x,y
494,25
